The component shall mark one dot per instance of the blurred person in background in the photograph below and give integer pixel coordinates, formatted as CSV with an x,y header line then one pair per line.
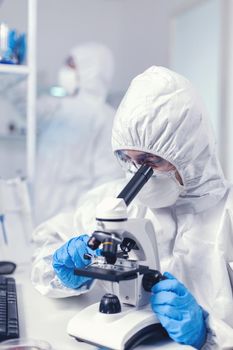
x,y
74,146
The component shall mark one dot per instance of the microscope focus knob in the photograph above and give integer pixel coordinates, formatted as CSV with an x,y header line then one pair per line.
x,y
110,304
151,278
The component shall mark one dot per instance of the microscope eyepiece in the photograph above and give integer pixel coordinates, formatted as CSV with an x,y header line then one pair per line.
x,y
136,183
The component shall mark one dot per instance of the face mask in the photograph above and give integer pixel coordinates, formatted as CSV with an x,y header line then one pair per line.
x,y
67,79
161,190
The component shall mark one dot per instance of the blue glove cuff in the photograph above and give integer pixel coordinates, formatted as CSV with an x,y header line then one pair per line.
x,y
202,334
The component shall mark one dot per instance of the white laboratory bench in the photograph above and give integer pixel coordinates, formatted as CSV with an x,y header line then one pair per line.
x,y
46,319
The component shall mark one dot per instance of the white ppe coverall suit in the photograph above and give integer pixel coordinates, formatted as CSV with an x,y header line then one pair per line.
x,y
74,144
162,114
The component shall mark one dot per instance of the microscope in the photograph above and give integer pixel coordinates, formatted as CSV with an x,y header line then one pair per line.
x,y
129,259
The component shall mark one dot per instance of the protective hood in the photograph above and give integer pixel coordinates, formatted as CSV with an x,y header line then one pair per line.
x,y
95,66
162,113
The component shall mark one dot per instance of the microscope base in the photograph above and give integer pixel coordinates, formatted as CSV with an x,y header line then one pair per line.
x,y
120,331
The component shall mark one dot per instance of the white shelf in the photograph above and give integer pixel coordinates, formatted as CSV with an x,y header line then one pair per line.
x,y
14,69
27,71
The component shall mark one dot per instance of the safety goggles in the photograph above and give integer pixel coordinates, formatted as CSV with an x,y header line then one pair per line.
x,y
131,161
7,267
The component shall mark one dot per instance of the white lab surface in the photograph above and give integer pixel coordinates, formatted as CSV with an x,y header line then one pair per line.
x,y
74,146
162,114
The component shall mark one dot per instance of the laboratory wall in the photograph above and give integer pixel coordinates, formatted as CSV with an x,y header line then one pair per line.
x,y
180,34
136,31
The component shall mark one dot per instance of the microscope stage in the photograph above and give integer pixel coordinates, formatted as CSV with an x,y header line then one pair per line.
x,y
113,273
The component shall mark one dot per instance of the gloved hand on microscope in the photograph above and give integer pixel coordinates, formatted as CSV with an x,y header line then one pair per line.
x,y
69,256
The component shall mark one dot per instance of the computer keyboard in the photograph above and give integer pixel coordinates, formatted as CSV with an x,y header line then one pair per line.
x,y
9,324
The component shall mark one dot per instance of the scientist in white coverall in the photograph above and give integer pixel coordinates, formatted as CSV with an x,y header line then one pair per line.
x,y
74,143
161,122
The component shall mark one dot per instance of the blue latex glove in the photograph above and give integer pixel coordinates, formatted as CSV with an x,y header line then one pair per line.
x,y
178,312
69,256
